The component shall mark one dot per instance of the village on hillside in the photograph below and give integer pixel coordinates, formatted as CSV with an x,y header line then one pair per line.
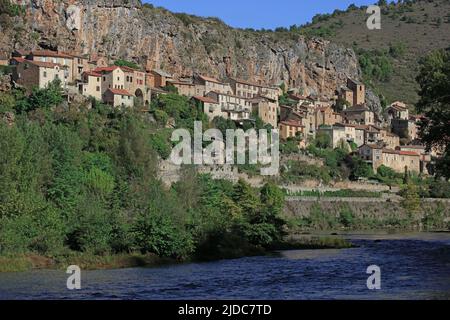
x,y
391,142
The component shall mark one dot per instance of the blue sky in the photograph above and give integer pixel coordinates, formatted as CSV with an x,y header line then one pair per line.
x,y
258,14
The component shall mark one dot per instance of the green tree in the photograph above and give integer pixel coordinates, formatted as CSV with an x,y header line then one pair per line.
x,y
125,63
434,81
411,200
49,97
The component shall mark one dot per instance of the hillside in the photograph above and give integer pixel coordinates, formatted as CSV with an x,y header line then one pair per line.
x,y
178,43
409,31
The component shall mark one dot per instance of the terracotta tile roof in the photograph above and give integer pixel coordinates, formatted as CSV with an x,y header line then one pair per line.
x,y
209,79
401,153
92,74
105,69
38,63
205,99
399,106
121,92
49,53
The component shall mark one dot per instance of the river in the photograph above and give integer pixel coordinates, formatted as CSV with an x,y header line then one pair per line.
x,y
413,266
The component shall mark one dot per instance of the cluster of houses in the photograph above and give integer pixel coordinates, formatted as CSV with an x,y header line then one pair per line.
x,y
393,143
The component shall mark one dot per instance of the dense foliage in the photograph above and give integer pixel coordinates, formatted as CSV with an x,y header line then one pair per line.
x,y
84,180
434,81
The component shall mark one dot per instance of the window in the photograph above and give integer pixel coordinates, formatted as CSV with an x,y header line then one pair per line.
x,y
98,79
97,88
45,74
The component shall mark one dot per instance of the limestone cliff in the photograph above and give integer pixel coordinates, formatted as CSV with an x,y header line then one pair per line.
x,y
181,44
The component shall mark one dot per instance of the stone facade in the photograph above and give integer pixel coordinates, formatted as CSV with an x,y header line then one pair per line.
x,y
36,73
118,98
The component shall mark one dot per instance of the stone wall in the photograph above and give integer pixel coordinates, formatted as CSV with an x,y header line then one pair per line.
x,y
364,208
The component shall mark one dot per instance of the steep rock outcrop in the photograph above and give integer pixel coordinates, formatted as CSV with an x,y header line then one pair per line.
x,y
181,44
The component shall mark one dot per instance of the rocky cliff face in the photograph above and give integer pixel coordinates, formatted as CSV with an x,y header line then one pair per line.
x,y
181,44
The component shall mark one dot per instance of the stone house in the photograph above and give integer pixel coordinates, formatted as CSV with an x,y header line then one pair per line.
x,y
204,85
395,159
80,65
346,94
359,92
397,110
124,78
91,85
184,88
390,140
359,115
266,109
56,57
308,113
233,107
425,157
247,89
135,83
360,135
340,133
302,101
290,129
118,98
211,107
326,116
113,77
406,129
97,61
401,160
29,73
157,78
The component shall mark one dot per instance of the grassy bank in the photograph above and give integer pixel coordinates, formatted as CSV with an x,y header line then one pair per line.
x,y
85,261
27,262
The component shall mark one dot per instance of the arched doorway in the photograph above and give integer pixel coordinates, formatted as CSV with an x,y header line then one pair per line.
x,y
139,98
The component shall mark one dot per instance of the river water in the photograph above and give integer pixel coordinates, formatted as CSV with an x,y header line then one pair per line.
x,y
413,266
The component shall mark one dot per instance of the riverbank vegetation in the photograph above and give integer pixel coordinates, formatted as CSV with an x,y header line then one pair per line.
x,y
346,216
80,184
